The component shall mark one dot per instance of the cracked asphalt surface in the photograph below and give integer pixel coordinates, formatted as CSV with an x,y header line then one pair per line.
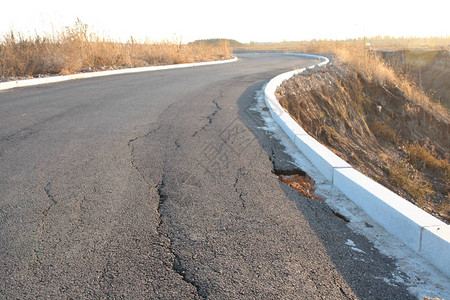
x,y
159,185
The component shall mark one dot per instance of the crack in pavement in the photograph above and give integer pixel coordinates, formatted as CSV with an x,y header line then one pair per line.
x,y
47,189
162,198
211,116
106,276
177,262
178,267
237,189
133,161
37,249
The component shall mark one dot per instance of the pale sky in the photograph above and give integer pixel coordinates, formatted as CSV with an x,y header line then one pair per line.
x,y
245,21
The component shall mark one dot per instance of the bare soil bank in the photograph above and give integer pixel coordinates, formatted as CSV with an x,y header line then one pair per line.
x,y
378,130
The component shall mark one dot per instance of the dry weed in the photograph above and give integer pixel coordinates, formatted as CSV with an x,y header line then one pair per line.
x,y
383,131
363,59
370,125
424,158
407,178
76,49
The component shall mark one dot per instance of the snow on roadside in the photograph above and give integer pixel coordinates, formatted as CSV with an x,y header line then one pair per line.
x,y
423,279
353,246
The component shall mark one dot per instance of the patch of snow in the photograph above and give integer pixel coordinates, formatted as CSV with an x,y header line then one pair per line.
x,y
394,281
353,246
358,250
422,279
350,243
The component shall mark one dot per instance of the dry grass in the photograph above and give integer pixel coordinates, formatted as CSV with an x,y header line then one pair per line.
x,y
375,43
374,116
406,177
75,49
382,130
375,127
366,61
424,158
374,68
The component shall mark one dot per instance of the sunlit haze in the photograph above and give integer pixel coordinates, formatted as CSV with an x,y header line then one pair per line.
x,y
245,21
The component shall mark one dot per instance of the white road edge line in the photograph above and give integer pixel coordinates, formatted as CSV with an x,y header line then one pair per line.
x,y
420,231
37,81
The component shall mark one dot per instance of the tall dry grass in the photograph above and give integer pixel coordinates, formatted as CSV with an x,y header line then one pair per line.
x,y
75,49
372,126
367,62
374,67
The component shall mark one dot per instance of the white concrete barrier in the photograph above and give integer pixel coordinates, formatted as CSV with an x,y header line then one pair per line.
x,y
321,157
435,246
53,79
419,230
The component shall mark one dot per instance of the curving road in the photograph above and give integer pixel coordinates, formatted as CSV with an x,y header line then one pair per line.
x,y
160,185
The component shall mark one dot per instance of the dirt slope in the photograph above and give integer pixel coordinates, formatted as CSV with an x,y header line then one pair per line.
x,y
376,129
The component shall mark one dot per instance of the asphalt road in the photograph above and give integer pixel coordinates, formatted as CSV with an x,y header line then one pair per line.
x,y
161,185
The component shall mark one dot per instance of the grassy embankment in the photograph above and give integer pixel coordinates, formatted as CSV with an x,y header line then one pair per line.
x,y
422,62
375,117
75,49
429,69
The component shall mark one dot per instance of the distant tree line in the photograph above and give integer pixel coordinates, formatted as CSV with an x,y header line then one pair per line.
x,y
232,43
